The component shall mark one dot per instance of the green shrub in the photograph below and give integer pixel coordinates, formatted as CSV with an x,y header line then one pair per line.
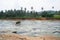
x,y
56,16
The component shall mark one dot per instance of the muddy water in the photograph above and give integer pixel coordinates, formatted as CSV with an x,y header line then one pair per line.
x,y
31,27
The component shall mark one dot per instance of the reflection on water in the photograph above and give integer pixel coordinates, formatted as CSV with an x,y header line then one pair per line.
x,y
31,28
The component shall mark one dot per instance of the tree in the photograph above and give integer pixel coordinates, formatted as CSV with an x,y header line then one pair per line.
x,y
42,8
32,8
21,8
46,14
58,13
25,9
52,7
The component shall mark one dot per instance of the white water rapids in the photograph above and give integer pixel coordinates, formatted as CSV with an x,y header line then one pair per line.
x,y
31,27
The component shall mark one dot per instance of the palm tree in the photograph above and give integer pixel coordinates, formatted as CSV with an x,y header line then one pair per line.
x,y
25,9
42,8
21,8
52,7
32,8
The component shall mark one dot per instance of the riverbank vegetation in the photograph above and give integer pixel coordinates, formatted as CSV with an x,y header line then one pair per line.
x,y
28,14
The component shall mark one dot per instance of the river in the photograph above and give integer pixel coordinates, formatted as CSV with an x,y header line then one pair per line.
x,y
31,27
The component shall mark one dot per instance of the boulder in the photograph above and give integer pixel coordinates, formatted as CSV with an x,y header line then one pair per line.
x,y
18,22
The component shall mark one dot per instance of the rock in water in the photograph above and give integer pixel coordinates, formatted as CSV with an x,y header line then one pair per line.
x,y
18,22
14,32
56,32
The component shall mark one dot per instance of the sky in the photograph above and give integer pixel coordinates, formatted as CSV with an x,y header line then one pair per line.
x,y
37,4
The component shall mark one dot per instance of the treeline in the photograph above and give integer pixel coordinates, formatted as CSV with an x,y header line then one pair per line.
x,y
28,14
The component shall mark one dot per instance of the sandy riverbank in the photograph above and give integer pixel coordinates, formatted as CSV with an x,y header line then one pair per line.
x,y
20,37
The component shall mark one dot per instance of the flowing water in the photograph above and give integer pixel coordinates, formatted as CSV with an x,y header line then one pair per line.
x,y
31,27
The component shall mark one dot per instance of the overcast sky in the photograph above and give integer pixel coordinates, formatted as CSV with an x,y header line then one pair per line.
x,y
37,4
